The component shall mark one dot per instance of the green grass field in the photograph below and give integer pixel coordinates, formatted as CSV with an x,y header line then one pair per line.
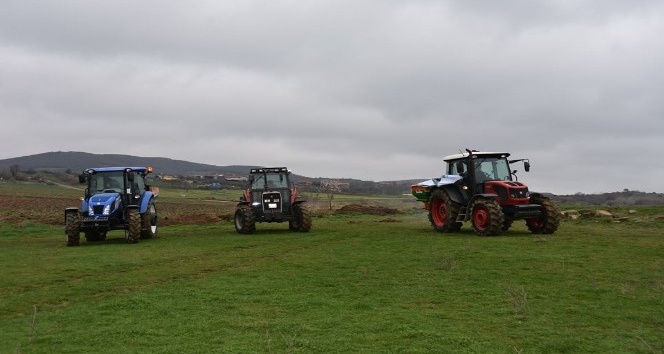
x,y
354,284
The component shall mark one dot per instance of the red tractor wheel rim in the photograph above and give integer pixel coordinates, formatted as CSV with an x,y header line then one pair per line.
x,y
481,218
439,212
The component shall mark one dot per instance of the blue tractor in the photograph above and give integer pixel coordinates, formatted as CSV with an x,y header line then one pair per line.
x,y
116,198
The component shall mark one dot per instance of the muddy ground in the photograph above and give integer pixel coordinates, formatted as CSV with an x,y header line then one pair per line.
x,y
19,210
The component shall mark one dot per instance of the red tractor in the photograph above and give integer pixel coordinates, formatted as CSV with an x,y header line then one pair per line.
x,y
270,196
481,187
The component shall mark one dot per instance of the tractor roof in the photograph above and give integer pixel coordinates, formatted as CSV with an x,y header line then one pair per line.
x,y
269,170
478,153
118,169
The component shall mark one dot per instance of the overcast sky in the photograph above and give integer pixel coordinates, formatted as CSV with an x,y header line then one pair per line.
x,y
374,90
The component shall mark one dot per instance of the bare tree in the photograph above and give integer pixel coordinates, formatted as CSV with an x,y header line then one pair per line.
x,y
13,170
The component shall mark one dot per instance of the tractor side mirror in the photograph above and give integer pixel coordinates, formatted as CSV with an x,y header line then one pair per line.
x,y
526,165
81,178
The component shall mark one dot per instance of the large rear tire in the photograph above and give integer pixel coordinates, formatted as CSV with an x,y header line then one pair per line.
x,y
133,235
149,222
443,212
302,222
73,228
549,221
487,217
244,220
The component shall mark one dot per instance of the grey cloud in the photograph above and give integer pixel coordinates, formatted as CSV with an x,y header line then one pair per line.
x,y
370,89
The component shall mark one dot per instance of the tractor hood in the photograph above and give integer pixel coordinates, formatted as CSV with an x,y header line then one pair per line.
x,y
104,204
103,198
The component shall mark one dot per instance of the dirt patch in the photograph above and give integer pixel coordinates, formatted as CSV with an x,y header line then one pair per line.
x,y
18,210
193,219
366,209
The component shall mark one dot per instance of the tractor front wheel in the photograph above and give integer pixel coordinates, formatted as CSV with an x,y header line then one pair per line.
x,y
487,217
244,219
73,228
549,221
149,222
443,212
133,235
302,222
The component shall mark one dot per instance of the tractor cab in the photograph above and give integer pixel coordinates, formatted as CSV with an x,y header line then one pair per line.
x,y
270,193
489,173
126,185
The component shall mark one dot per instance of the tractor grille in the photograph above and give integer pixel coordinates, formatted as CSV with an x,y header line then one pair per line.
x,y
272,202
519,193
98,209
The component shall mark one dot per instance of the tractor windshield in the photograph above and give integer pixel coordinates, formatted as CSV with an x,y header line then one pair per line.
x,y
106,182
269,180
492,168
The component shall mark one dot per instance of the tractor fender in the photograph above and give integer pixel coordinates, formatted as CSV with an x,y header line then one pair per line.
x,y
451,184
145,202
454,193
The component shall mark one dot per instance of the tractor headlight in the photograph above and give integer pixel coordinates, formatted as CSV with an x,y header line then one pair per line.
x,y
107,209
90,210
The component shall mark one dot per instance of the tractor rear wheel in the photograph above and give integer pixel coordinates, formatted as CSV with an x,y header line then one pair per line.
x,y
487,217
302,222
244,219
73,228
133,235
549,221
443,212
149,222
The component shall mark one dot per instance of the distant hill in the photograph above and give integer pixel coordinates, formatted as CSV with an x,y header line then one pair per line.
x,y
75,162
78,161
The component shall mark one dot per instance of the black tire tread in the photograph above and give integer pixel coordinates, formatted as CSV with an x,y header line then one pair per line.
x,y
496,217
451,225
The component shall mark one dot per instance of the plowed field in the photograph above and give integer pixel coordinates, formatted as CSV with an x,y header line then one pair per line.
x,y
18,210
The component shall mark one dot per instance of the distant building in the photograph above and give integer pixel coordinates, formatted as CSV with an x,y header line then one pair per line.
x,y
237,179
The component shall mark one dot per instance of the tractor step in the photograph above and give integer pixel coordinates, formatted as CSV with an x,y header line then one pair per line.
x,y
461,217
